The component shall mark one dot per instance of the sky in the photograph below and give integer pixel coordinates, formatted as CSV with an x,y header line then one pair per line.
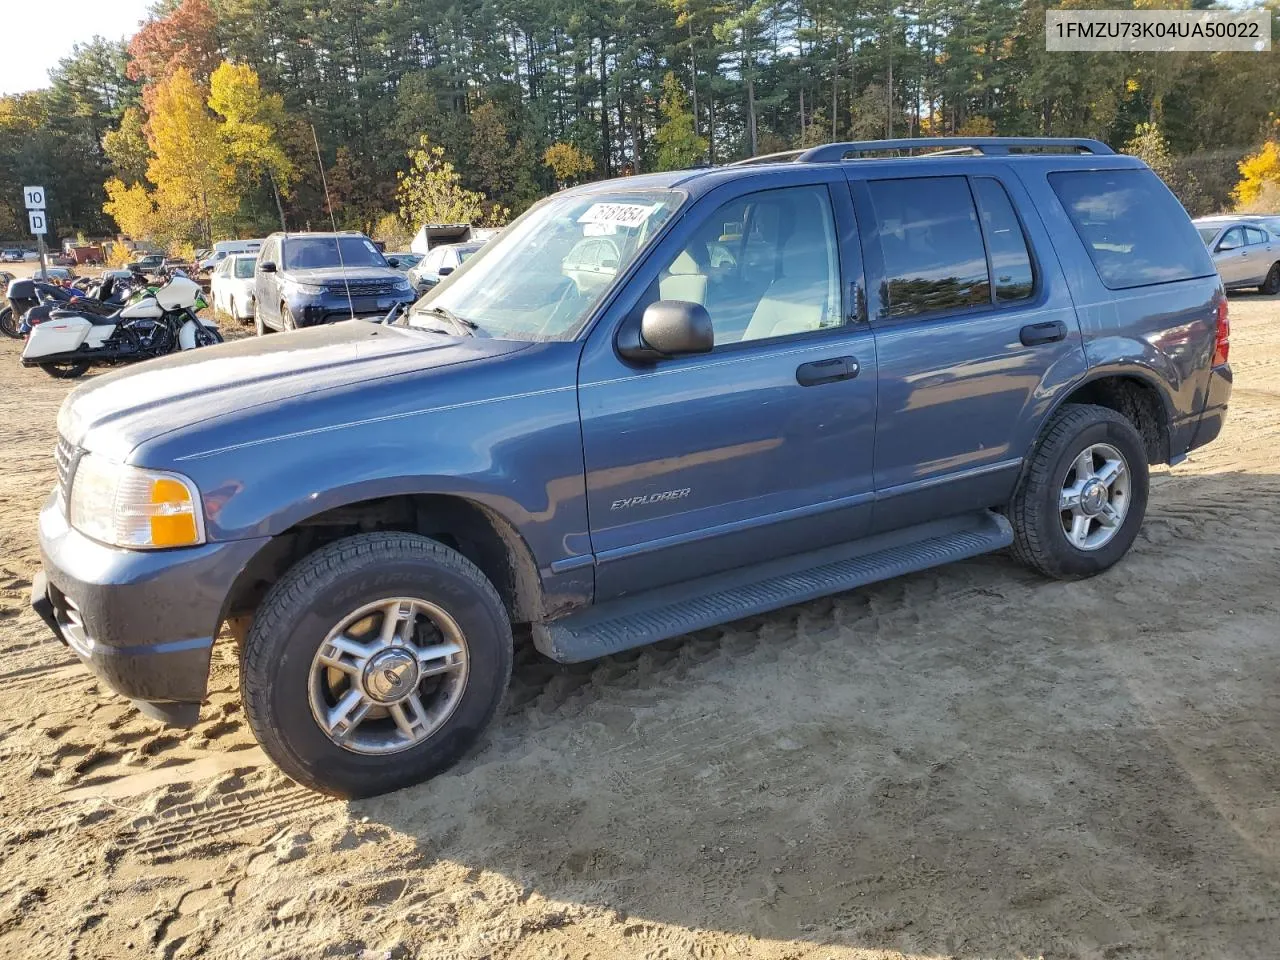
x,y
36,34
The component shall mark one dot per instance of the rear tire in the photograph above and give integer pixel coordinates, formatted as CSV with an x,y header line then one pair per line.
x,y
314,704
1071,539
1271,285
9,324
66,370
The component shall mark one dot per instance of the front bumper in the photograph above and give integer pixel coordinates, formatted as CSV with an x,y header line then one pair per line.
x,y
328,308
142,621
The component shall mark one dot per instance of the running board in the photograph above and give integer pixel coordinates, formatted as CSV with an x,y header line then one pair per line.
x,y
666,612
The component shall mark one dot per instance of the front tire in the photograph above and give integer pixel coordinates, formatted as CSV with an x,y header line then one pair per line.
x,y
1083,496
259,326
375,663
287,321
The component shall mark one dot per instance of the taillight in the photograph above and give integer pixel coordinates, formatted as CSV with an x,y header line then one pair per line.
x,y
1222,339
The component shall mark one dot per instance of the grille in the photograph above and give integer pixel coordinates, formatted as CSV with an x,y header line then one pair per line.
x,y
362,288
64,455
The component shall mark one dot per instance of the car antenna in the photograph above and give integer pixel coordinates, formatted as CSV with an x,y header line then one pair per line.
x,y
337,240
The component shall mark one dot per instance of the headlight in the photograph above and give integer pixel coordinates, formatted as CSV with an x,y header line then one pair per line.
x,y
309,288
131,507
404,286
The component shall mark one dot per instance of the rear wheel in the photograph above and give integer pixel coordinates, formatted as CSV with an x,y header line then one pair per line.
x,y
1271,285
1082,500
9,323
66,369
375,663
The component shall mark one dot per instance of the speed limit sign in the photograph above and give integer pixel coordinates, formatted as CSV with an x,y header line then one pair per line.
x,y
34,197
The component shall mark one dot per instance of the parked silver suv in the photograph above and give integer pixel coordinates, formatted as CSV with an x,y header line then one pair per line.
x,y
1245,251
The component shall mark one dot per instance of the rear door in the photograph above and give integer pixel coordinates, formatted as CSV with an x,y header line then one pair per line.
x,y
1257,253
973,324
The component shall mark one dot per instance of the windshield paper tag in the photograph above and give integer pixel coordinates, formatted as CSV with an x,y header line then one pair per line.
x,y
627,214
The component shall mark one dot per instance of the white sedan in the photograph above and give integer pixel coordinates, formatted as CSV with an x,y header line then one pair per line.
x,y
231,286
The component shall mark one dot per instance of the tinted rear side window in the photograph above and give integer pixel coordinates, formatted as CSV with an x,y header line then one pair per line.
x,y
1010,259
934,260
1133,228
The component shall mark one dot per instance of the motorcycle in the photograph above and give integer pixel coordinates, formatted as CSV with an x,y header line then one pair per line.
x,y
24,295
155,322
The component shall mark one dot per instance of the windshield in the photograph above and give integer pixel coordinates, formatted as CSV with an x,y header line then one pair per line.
x,y
466,253
244,267
307,253
1207,234
543,275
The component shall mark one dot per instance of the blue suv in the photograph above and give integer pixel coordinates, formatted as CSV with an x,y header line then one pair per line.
x,y
306,279
651,405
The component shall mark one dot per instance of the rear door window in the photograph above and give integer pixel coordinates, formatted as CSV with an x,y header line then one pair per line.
x,y
931,241
1134,229
1253,235
1006,243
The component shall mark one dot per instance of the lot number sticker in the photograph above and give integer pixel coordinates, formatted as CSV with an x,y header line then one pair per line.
x,y
626,214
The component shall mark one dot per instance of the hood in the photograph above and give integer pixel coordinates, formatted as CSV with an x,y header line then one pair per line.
x,y
330,274
112,414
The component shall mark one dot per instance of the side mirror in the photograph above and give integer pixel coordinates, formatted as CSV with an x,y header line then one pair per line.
x,y
267,267
393,263
444,271
668,328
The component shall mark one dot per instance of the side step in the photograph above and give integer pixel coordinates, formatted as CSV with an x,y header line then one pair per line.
x,y
666,612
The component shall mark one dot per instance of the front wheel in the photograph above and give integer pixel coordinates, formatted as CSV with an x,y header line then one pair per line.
x,y
259,327
1079,506
66,369
9,323
374,663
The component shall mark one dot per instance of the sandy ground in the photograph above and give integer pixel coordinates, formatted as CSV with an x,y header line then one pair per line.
x,y
971,762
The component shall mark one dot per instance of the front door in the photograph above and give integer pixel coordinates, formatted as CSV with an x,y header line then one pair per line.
x,y
266,286
761,448
970,325
1231,258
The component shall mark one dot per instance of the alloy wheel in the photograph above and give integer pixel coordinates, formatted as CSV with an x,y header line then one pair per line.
x,y
1095,497
388,675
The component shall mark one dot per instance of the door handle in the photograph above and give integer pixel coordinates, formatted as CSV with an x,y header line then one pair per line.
x,y
826,371
1037,333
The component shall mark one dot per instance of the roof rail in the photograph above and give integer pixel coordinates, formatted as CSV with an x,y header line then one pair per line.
x,y
780,157
986,146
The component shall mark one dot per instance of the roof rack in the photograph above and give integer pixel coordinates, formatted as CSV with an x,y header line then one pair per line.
x,y
934,147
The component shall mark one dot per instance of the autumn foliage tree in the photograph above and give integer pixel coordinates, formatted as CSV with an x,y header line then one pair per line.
x,y
568,163
251,130
193,179
184,39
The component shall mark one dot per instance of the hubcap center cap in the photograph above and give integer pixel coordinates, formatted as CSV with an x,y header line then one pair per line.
x,y
1093,497
390,676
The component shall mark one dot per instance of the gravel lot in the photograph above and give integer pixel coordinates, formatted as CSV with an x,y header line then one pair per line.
x,y
971,762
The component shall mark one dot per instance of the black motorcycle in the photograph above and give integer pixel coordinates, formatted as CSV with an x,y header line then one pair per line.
x,y
24,295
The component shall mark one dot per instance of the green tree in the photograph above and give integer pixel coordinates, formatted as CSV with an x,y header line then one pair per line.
x,y
126,146
431,190
678,145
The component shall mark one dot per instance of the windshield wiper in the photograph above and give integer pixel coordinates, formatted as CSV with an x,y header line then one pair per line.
x,y
468,327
